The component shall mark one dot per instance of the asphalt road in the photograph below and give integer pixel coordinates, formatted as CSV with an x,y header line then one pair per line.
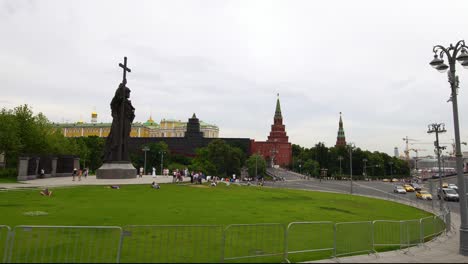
x,y
371,188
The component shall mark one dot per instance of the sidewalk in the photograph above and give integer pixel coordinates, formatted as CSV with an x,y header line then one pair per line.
x,y
90,180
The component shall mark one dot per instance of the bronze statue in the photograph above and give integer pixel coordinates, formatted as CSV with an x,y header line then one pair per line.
x,y
123,113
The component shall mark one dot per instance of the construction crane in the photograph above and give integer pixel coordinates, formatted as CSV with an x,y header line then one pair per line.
x,y
417,157
443,143
406,139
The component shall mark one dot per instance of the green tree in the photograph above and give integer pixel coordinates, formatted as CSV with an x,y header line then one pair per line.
x,y
256,165
312,167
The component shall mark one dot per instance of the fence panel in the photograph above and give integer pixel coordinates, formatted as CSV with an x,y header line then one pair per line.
x,y
439,224
387,235
4,233
428,228
254,243
411,233
172,243
64,244
353,238
309,241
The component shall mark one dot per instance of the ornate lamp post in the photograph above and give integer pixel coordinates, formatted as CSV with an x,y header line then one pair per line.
x,y
162,158
453,54
145,149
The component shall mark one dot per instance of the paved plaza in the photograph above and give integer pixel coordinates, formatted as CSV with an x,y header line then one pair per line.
x,y
444,249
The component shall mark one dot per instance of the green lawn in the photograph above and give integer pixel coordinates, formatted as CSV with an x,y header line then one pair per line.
x,y
189,205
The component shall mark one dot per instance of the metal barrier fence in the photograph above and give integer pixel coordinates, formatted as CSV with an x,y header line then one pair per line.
x,y
254,242
5,232
298,241
65,244
172,243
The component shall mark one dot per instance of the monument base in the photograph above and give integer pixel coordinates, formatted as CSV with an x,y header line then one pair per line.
x,y
116,170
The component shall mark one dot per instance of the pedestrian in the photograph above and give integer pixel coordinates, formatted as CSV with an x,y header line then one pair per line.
x,y
80,172
191,177
154,173
74,173
86,172
141,172
42,173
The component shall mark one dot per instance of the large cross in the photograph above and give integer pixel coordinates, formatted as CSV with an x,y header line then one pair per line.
x,y
125,69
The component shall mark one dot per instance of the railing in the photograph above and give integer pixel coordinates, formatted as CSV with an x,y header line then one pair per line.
x,y
298,241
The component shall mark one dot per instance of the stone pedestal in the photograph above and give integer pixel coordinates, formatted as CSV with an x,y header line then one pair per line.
x,y
53,173
23,168
76,163
116,170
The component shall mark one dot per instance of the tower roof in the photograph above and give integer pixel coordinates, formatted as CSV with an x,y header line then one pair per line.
x,y
278,108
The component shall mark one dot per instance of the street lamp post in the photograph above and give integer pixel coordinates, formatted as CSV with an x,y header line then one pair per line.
x,y
145,149
340,158
351,146
162,158
438,63
391,169
364,170
438,128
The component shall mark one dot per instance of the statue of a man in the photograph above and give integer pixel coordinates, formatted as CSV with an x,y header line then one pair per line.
x,y
123,113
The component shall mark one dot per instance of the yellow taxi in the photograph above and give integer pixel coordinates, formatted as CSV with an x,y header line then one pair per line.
x,y
386,180
423,195
444,185
408,188
394,180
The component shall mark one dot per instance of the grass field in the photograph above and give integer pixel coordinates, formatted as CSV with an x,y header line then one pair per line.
x,y
187,205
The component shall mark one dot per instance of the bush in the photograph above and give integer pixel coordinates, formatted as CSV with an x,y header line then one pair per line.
x,y
8,173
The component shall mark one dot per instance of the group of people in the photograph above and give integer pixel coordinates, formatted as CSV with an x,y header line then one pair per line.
x,y
81,172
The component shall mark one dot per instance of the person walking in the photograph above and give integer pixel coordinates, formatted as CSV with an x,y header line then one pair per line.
x,y
74,173
154,173
141,172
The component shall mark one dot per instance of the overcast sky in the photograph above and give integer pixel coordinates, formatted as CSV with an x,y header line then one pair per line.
x,y
227,60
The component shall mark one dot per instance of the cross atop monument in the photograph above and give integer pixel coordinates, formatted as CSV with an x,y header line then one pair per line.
x,y
125,70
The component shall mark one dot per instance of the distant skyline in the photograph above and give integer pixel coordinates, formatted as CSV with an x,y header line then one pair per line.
x,y
227,60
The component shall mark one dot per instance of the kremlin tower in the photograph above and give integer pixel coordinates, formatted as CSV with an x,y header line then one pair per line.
x,y
276,150
340,139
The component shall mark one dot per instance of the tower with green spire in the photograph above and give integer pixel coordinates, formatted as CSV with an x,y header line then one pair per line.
x,y
278,130
340,139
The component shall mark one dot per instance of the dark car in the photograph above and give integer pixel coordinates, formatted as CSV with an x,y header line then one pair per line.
x,y
416,186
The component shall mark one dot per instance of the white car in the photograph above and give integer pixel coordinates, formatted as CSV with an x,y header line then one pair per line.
x,y
453,186
399,189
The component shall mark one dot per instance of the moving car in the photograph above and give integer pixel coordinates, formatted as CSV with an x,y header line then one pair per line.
x,y
399,189
444,185
448,194
386,180
394,180
423,195
416,186
408,188
453,186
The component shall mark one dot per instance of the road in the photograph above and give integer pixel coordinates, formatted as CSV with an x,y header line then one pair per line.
x,y
371,188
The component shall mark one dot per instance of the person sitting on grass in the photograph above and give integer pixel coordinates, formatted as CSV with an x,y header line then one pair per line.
x,y
46,192
114,187
154,185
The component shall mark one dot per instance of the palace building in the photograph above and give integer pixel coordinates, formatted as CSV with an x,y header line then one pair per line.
x,y
276,150
167,128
